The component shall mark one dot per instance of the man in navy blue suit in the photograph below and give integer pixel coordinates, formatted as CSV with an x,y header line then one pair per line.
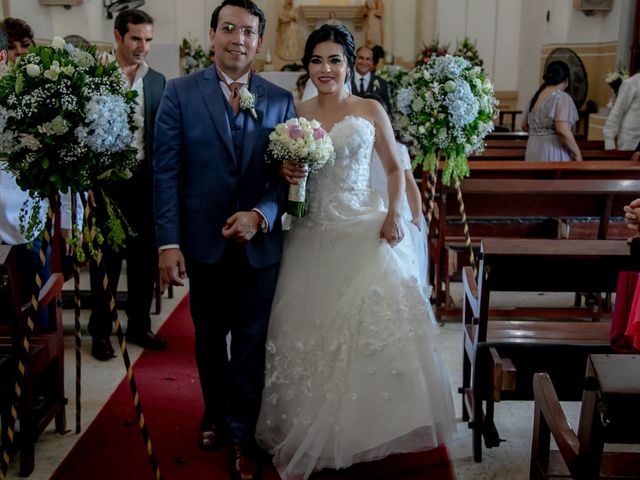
x,y
217,207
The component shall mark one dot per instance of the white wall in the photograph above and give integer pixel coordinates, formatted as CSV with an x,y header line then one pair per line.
x,y
509,33
566,26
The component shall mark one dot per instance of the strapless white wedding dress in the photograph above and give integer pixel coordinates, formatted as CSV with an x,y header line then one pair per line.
x,y
353,371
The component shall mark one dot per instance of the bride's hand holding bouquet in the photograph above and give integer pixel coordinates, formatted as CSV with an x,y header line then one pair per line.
x,y
302,146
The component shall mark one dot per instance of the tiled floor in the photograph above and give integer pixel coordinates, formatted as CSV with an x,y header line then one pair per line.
x,y
514,419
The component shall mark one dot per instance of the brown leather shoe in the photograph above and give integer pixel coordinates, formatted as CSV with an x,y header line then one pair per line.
x,y
244,466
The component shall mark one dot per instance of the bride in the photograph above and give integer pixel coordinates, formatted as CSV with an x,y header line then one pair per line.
x,y
353,371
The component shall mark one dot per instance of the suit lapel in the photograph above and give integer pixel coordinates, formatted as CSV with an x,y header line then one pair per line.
x,y
252,125
214,103
370,86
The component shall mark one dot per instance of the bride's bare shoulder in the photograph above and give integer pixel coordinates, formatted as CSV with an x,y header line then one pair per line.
x,y
366,108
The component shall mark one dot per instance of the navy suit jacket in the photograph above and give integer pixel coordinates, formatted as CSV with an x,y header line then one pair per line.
x,y
199,182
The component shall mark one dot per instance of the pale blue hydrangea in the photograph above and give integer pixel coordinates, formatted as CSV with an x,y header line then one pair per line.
x,y
462,104
4,116
405,99
108,127
448,66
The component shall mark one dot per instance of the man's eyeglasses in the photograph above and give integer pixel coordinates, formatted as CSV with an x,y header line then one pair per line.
x,y
246,32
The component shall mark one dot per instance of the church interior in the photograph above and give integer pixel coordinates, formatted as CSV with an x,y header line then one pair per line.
x,y
528,280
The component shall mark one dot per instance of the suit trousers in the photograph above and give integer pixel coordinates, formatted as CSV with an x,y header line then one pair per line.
x,y
141,255
233,297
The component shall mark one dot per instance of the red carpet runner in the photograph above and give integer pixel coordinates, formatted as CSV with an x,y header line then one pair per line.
x,y
112,448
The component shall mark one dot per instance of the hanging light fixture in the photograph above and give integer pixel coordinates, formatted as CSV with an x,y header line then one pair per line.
x,y
116,6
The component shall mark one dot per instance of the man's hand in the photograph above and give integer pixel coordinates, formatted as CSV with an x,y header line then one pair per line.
x,y
293,172
242,226
172,269
91,198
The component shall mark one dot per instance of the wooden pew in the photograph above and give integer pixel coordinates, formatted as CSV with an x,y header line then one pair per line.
x,y
525,208
501,356
518,153
520,142
597,169
44,368
611,380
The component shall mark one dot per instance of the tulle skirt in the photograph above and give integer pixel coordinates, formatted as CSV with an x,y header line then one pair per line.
x,y
353,368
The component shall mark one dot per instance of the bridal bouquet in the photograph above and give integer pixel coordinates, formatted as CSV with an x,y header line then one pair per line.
x,y
67,122
447,107
303,141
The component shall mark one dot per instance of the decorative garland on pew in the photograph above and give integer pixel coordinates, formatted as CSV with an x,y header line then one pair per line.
x,y
137,403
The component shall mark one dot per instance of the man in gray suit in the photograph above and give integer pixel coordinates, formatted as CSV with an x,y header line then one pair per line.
x,y
364,81
133,32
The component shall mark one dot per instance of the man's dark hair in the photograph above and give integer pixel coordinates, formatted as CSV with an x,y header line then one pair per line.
x,y
16,29
331,33
378,53
4,41
248,5
133,17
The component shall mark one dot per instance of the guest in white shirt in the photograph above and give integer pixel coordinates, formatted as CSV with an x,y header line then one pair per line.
x,y
622,130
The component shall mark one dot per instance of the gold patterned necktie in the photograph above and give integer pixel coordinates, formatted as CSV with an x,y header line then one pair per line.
x,y
234,100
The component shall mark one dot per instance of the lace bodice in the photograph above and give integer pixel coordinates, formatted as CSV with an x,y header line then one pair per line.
x,y
343,190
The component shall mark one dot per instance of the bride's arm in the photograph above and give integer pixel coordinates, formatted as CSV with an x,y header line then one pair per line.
x,y
386,148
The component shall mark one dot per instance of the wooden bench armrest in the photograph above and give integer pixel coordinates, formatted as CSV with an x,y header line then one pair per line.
x,y
471,290
50,291
546,401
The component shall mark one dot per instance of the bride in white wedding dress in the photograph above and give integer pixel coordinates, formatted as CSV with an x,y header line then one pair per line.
x,y
353,371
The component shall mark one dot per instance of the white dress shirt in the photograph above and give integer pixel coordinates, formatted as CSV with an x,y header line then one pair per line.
x,y
622,130
366,79
12,199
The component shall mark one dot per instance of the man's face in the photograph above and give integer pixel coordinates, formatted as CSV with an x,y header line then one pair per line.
x,y
235,40
19,48
364,61
134,46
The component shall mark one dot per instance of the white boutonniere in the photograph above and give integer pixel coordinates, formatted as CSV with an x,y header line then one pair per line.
x,y
376,85
248,102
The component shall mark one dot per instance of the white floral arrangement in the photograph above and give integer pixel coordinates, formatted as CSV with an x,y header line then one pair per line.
x,y
67,121
194,56
447,107
614,79
303,141
394,76
618,74
248,102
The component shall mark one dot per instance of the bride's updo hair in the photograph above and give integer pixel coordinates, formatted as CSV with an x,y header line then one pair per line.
x,y
331,33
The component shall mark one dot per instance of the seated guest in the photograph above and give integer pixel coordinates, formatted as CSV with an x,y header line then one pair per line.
x,y
551,115
20,37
